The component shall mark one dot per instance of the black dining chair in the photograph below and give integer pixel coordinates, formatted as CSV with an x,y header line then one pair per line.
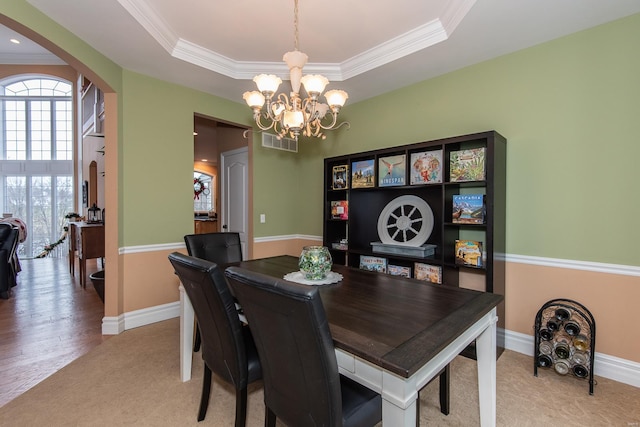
x,y
228,348
302,385
221,248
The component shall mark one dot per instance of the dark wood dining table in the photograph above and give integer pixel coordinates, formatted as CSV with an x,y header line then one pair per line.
x,y
392,334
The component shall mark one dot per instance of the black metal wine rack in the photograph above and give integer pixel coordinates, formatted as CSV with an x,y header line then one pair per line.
x,y
565,339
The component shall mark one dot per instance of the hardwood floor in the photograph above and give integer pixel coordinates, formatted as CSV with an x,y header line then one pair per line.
x,y
48,321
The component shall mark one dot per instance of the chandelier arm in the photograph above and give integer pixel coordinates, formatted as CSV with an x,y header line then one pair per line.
x,y
332,125
347,124
281,100
258,119
334,119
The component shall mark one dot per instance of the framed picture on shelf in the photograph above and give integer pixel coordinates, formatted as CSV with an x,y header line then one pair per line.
x,y
392,170
468,209
339,209
340,177
467,165
428,272
469,252
426,167
363,174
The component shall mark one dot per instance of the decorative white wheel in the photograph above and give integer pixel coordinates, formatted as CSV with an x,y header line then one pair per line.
x,y
406,220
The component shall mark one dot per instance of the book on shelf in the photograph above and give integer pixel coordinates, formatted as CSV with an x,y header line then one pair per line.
x,y
392,170
398,270
373,263
426,167
363,174
339,209
340,176
468,209
467,165
469,252
428,272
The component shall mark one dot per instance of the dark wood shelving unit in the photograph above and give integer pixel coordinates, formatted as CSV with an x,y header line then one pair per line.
x,y
366,204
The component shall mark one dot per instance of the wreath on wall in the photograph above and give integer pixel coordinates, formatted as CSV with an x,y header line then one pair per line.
x,y
199,188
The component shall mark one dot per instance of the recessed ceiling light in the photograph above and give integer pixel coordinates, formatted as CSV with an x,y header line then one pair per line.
x,y
16,41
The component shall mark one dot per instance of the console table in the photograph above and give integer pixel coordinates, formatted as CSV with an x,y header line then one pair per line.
x,y
89,242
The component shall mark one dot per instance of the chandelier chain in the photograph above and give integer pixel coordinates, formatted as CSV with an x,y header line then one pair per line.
x,y
295,24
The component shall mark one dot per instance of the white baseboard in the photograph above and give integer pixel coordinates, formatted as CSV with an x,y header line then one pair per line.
x,y
137,318
112,325
614,368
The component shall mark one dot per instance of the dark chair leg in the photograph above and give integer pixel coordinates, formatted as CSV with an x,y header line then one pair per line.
x,y
444,378
444,390
269,418
206,390
241,407
198,340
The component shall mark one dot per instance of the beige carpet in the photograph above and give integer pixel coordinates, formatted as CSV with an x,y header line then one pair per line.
x,y
133,379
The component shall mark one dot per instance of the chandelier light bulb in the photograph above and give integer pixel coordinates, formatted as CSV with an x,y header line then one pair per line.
x,y
314,84
336,98
267,83
254,99
293,119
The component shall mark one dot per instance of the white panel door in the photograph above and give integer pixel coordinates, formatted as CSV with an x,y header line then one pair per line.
x,y
234,197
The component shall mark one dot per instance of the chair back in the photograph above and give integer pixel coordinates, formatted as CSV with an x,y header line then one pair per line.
x,y
291,332
221,248
223,342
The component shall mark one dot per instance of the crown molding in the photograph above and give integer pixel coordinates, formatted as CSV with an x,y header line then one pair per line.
x,y
412,41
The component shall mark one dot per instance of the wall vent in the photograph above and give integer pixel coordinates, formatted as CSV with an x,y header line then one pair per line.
x,y
285,144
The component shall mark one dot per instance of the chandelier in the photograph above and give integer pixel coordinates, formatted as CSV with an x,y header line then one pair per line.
x,y
292,115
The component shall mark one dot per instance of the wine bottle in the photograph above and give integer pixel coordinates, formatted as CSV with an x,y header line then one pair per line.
x,y
561,349
581,342
546,334
580,358
562,367
562,314
553,324
545,347
544,361
580,371
572,328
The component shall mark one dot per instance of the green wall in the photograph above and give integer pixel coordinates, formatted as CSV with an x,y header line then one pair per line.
x,y
570,110
157,156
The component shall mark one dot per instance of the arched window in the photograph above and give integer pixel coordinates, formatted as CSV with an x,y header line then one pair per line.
x,y
36,156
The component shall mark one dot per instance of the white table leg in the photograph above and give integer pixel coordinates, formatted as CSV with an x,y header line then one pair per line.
x,y
486,355
186,335
393,415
